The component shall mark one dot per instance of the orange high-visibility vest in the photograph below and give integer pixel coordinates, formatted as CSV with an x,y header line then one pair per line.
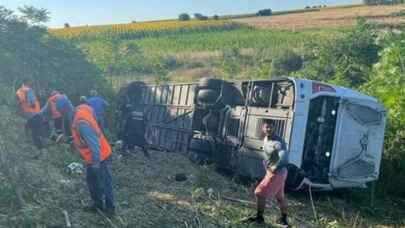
x,y
84,113
52,102
25,105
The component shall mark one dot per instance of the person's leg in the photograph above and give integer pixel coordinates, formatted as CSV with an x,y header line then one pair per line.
x,y
58,124
263,191
35,125
261,205
108,186
282,200
94,188
67,129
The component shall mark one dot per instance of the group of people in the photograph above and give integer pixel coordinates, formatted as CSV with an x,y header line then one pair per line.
x,y
83,127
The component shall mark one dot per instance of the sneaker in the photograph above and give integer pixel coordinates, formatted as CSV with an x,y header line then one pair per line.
x,y
283,222
255,218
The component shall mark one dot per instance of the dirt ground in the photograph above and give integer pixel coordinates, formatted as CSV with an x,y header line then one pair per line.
x,y
328,17
147,194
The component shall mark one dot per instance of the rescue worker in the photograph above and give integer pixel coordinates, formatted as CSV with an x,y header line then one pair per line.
x,y
99,106
272,185
96,152
29,107
133,132
60,109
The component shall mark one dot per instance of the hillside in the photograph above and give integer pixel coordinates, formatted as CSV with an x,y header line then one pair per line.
x,y
328,17
148,195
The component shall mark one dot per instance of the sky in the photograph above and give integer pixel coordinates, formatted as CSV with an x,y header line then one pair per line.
x,y
96,12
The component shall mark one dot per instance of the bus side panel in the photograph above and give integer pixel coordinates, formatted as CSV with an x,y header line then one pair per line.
x,y
251,154
168,109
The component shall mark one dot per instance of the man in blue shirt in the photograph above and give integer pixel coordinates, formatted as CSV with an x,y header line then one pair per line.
x,y
99,106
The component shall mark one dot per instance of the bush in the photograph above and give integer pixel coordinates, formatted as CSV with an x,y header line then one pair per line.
x,y
264,12
184,17
66,25
199,16
286,63
386,83
215,17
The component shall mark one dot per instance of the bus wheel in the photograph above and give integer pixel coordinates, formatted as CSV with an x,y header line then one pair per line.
x,y
208,96
200,151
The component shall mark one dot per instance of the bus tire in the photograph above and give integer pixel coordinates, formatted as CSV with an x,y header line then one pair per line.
x,y
211,83
207,96
199,151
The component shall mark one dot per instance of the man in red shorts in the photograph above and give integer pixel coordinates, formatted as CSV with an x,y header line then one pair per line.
x,y
272,185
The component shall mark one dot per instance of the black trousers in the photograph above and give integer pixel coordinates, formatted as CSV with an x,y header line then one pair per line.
x,y
100,184
39,128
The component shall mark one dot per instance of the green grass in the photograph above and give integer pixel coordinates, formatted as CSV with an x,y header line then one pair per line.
x,y
239,38
220,49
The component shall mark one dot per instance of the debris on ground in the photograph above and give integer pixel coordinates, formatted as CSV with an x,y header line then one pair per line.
x,y
75,167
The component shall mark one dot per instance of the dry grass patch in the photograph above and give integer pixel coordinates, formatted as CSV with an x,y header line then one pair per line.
x,y
327,17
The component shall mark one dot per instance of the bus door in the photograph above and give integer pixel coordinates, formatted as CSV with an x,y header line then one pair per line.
x,y
358,142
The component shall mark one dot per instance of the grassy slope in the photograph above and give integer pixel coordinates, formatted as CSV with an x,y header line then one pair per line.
x,y
148,196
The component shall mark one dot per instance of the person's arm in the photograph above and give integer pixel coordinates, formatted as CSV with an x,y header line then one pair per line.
x,y
283,159
63,105
46,110
31,97
93,142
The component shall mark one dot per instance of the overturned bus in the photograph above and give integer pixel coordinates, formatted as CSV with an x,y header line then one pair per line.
x,y
334,135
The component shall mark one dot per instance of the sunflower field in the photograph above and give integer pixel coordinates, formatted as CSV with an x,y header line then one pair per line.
x,y
142,29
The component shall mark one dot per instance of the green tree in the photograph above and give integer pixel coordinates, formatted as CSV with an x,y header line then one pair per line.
x,y
27,50
184,17
345,60
34,15
387,83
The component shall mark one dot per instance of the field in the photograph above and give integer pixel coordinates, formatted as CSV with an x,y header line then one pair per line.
x,y
140,29
328,18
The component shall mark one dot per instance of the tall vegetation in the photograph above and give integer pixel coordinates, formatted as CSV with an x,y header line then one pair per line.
x,y
28,51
